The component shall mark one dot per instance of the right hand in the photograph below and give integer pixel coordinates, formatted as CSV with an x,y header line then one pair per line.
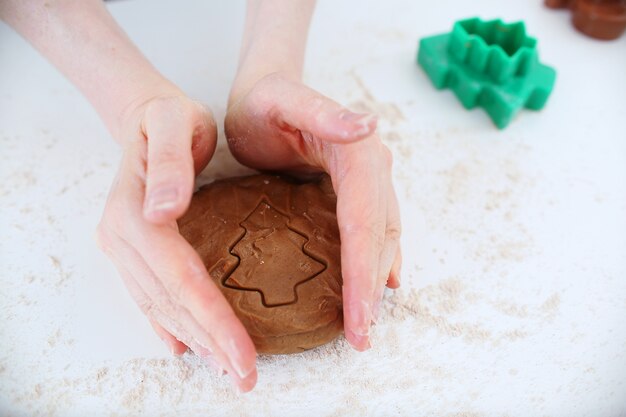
x,y
167,140
280,124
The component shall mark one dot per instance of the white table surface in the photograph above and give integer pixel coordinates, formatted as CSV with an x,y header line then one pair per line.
x,y
514,295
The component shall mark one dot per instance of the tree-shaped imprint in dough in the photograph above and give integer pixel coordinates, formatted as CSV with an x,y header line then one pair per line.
x,y
272,258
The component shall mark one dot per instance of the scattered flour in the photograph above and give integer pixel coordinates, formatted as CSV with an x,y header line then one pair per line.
x,y
166,386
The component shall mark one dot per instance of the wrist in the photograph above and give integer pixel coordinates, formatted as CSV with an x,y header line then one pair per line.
x,y
274,42
246,80
85,43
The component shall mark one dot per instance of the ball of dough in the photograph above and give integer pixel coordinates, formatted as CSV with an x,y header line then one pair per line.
x,y
272,247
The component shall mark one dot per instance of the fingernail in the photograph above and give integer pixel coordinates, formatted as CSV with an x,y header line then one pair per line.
x,y
349,116
162,199
236,360
363,121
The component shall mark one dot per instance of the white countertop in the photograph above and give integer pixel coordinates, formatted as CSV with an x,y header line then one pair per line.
x,y
514,295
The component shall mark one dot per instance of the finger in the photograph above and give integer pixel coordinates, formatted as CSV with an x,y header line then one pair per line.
x,y
153,301
180,270
384,279
126,264
392,239
171,326
361,227
394,280
386,258
187,282
202,352
145,304
176,346
306,109
168,125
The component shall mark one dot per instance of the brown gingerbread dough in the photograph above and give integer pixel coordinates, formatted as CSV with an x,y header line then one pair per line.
x,y
271,246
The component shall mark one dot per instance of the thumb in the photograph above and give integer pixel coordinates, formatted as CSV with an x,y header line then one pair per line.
x,y
168,125
308,110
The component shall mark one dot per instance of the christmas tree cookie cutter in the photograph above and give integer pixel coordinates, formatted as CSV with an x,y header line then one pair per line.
x,y
490,64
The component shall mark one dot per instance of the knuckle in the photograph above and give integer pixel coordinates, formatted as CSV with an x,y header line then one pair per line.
x,y
393,232
103,237
195,294
261,99
379,241
203,111
147,307
161,310
174,109
258,102
164,318
164,171
271,79
173,105
166,153
185,286
315,104
368,231
113,223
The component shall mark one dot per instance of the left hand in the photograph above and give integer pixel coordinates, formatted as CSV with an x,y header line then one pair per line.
x,y
279,124
167,139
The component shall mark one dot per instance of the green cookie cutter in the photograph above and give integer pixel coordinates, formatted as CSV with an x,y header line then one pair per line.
x,y
489,64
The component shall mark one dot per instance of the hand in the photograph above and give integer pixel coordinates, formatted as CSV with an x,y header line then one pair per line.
x,y
280,124
167,140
